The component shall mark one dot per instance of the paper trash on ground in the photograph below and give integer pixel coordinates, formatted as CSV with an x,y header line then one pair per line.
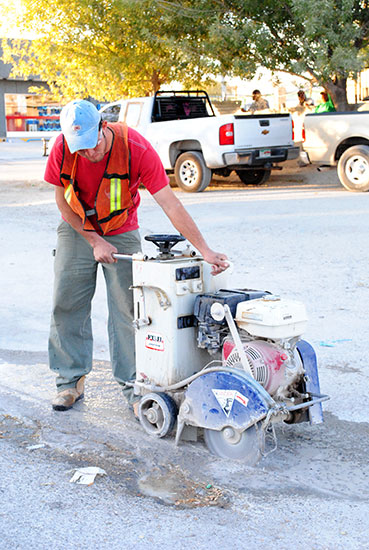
x,y
86,476
37,446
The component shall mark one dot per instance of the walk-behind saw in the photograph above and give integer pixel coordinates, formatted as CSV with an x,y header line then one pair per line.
x,y
229,362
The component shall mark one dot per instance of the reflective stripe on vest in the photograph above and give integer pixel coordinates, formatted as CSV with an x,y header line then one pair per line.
x,y
68,193
115,194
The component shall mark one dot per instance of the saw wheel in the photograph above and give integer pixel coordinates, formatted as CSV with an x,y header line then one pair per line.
x,y
157,413
229,443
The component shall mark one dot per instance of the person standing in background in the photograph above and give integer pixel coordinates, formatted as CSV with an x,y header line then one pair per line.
x,y
326,106
298,112
258,104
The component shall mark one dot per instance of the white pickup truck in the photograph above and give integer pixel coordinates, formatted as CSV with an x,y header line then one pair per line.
x,y
342,140
194,143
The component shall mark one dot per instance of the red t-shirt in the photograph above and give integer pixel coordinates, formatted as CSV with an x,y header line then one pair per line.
x,y
145,168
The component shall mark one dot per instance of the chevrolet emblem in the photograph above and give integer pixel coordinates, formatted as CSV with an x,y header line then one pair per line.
x,y
265,132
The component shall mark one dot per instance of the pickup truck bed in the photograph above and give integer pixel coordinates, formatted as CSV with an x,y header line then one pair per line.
x,y
342,140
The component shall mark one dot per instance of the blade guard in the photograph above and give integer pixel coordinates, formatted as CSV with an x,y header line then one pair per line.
x,y
225,398
308,358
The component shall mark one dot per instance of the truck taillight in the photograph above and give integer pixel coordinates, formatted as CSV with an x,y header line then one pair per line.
x,y
293,130
226,134
303,133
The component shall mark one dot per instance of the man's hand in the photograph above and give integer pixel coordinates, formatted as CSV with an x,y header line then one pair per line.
x,y
103,251
217,260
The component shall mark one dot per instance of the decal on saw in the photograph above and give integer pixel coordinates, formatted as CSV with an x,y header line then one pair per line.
x,y
154,341
226,399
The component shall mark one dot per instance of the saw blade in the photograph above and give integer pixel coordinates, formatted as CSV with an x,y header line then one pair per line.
x,y
227,443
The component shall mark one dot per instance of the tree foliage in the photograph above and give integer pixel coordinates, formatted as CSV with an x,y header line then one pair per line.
x,y
111,48
106,48
325,41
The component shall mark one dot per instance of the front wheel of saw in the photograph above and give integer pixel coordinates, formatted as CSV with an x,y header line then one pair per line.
x,y
229,443
157,413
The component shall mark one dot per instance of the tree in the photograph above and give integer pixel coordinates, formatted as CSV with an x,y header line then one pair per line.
x,y
324,41
112,48
105,48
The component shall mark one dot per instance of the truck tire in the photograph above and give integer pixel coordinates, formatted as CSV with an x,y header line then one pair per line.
x,y
191,173
254,177
353,168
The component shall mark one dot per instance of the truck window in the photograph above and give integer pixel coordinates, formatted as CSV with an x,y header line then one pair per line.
x,y
179,108
133,114
111,113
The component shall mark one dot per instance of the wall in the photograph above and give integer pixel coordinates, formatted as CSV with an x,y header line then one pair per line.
x,y
10,85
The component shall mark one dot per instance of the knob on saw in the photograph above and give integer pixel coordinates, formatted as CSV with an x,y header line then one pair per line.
x,y
165,242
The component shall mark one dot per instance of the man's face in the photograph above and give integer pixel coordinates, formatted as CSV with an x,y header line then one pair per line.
x,y
97,153
256,96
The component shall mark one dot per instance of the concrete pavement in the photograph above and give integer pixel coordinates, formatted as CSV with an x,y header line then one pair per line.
x,y
303,239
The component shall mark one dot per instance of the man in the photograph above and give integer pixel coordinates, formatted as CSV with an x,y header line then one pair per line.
x,y
258,104
96,168
298,115
303,105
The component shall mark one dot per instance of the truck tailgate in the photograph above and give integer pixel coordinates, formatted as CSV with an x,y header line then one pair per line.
x,y
262,131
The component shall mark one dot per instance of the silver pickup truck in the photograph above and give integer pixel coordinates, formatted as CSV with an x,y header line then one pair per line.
x,y
342,140
193,142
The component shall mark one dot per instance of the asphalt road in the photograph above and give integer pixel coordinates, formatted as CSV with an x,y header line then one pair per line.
x,y
302,236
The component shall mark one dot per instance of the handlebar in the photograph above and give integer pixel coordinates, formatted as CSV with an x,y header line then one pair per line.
x,y
119,256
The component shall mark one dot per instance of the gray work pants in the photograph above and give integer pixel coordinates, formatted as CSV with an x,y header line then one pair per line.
x,y
71,341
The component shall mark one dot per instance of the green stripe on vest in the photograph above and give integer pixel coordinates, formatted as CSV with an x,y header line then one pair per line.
x,y
115,194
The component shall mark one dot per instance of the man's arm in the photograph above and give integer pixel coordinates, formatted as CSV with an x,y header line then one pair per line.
x,y
102,249
183,222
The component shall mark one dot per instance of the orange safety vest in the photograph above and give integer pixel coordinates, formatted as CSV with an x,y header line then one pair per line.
x,y
113,197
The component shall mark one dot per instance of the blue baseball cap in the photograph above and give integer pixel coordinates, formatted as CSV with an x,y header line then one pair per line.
x,y
79,121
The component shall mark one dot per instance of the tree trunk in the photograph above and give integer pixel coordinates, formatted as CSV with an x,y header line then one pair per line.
x,y
337,89
155,81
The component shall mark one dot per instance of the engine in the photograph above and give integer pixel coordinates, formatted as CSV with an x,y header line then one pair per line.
x,y
276,368
269,328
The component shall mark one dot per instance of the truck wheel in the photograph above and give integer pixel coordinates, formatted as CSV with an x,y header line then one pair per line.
x,y
353,168
253,177
191,173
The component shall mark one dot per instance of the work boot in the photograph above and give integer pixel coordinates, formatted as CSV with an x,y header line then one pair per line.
x,y
133,407
66,398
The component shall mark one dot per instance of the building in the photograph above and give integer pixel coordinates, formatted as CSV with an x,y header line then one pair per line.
x,y
22,111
